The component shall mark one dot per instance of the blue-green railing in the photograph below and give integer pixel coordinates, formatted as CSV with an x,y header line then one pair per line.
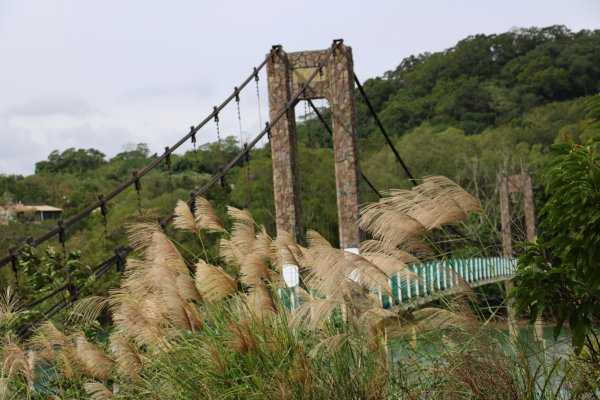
x,y
424,281
427,279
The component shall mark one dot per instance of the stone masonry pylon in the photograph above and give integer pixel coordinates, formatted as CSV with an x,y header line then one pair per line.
x,y
287,72
516,184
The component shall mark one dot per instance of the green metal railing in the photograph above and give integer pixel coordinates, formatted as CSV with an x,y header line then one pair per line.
x,y
444,276
425,281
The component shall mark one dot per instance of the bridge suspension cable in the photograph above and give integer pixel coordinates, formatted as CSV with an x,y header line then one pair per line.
x,y
411,178
291,103
384,132
136,176
328,128
122,253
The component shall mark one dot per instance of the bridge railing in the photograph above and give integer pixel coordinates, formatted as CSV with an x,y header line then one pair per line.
x,y
424,282
436,277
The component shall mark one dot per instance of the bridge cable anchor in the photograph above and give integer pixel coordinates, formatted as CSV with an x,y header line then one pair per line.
x,y
121,254
216,112
14,259
268,128
167,156
193,139
168,164
161,223
275,49
222,177
192,202
138,188
62,236
104,212
193,135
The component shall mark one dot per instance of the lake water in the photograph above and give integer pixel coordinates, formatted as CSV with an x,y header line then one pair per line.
x,y
541,356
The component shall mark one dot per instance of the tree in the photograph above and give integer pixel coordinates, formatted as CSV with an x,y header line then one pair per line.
x,y
209,157
133,151
71,160
560,272
485,80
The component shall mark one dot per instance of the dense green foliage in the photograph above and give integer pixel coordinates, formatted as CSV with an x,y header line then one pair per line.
x,y
561,270
71,160
488,80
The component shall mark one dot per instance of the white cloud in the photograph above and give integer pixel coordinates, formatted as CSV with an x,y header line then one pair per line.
x,y
18,150
194,90
155,68
22,147
50,106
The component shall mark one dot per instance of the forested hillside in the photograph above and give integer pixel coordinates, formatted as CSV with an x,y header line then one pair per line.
x,y
490,103
489,80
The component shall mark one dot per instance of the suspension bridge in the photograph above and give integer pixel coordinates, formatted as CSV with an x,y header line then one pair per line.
x,y
291,77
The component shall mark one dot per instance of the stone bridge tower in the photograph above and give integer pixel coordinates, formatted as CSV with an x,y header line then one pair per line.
x,y
287,72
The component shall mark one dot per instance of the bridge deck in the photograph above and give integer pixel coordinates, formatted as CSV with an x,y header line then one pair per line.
x,y
425,282
437,277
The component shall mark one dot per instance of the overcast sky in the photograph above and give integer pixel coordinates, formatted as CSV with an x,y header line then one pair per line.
x,y
101,74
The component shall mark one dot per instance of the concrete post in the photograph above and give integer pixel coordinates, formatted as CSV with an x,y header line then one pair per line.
x,y
515,184
505,215
529,207
345,147
507,250
287,73
284,148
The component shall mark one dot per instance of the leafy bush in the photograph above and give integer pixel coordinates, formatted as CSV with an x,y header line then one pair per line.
x,y
560,272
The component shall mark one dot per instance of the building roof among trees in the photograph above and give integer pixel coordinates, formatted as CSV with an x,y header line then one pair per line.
x,y
35,207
